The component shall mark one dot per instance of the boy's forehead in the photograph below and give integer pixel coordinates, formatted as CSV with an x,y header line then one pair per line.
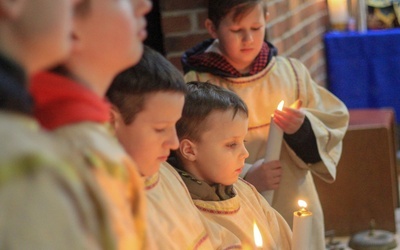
x,y
222,120
164,103
157,96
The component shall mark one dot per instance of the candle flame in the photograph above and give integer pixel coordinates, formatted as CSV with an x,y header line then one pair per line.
x,y
280,105
257,236
302,203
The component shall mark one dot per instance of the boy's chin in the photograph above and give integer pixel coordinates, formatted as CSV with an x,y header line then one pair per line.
x,y
150,170
230,182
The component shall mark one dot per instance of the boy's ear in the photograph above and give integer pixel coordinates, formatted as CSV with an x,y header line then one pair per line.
x,y
11,9
115,117
212,30
188,149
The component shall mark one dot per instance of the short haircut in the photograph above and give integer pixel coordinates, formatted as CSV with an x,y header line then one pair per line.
x,y
152,74
202,99
219,9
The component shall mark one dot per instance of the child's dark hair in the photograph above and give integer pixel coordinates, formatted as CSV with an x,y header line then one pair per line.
x,y
152,74
202,99
218,9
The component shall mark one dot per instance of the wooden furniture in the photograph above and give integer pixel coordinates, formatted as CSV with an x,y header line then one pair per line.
x,y
366,185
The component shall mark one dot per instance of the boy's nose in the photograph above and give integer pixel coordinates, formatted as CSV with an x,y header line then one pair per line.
x,y
248,37
245,152
173,141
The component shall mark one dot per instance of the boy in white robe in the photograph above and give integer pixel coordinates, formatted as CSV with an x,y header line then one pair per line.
x,y
238,58
45,203
108,37
210,158
147,100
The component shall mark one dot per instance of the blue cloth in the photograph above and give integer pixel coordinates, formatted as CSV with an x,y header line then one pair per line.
x,y
363,69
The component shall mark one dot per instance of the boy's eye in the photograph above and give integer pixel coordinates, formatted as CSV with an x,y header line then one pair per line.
x,y
257,28
159,130
232,145
235,30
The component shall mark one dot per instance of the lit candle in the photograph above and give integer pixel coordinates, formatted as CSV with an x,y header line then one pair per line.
x,y
274,144
258,241
301,227
274,141
338,14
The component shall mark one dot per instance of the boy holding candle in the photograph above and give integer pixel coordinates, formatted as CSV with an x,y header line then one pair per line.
x,y
147,101
238,58
210,157
44,202
108,36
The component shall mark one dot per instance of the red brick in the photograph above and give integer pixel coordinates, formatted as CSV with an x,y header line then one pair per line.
x,y
201,18
182,43
176,61
168,5
176,24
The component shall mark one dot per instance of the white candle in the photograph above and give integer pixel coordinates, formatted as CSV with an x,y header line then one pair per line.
x,y
273,151
301,227
338,14
274,141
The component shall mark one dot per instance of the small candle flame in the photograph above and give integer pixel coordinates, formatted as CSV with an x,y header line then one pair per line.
x,y
302,204
257,236
280,105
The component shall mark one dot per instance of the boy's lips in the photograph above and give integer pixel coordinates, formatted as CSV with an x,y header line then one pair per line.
x,y
239,170
247,49
163,158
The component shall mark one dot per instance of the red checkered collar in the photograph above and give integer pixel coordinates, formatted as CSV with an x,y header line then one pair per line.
x,y
213,59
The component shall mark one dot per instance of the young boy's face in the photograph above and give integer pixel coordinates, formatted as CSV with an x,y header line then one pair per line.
x,y
151,135
44,28
220,152
111,33
241,41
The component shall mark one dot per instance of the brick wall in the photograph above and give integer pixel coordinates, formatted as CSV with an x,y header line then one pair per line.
x,y
295,27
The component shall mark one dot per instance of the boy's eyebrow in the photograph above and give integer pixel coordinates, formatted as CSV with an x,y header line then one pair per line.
x,y
234,137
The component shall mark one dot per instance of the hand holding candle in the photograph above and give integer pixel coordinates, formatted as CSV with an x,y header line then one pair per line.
x,y
275,136
274,144
302,220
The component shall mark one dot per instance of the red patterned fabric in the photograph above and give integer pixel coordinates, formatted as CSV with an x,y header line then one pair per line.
x,y
55,94
215,60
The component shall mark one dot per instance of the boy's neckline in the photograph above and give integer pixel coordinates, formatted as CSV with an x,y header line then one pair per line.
x,y
200,190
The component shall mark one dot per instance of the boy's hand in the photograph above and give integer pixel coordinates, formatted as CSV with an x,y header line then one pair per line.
x,y
290,118
265,176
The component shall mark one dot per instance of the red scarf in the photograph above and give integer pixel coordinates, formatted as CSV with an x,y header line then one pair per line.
x,y
217,61
60,101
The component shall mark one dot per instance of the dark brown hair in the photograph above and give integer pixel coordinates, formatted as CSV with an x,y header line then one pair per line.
x,y
152,74
201,100
219,9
